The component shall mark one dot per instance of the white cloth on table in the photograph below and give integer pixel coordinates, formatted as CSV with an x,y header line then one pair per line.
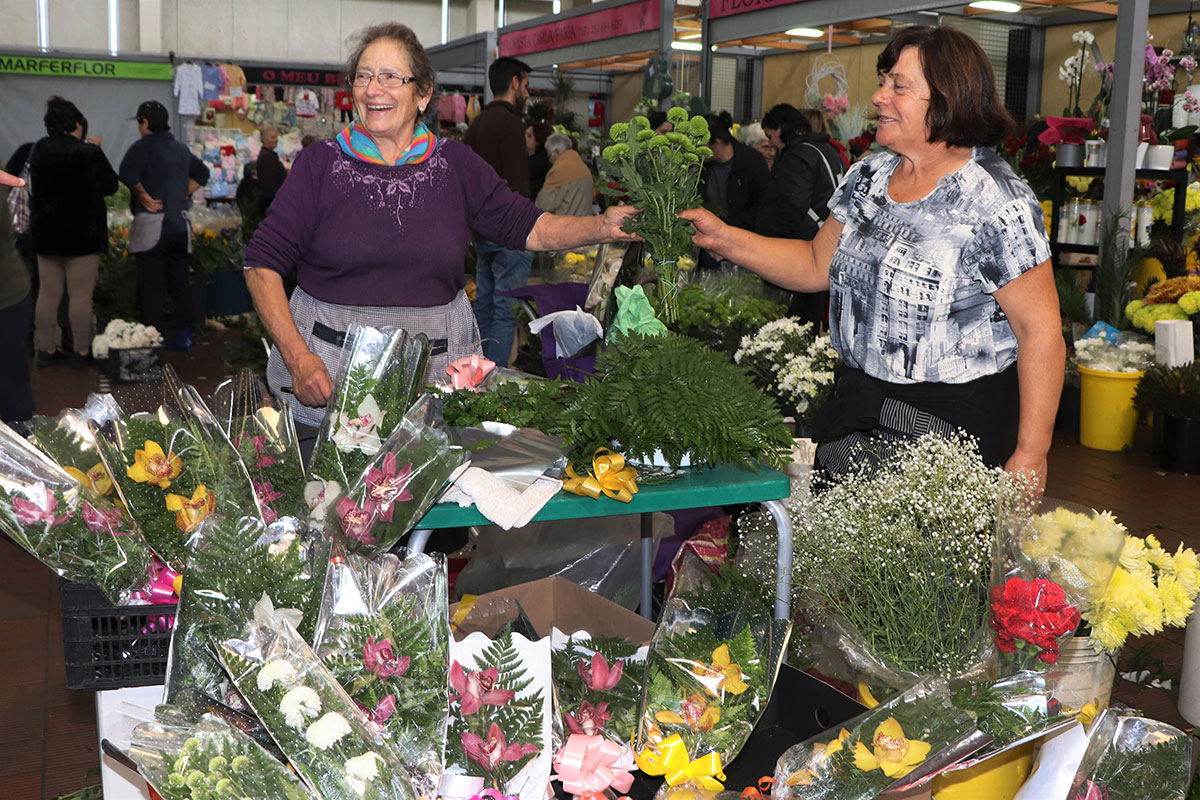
x,y
498,501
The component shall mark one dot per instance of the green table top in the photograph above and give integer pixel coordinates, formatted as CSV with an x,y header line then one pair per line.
x,y
712,487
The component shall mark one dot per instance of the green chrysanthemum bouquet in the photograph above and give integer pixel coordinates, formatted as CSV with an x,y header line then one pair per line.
x,y
659,173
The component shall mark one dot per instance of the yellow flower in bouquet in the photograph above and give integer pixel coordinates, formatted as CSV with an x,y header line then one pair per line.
x,y
892,752
1079,549
1189,303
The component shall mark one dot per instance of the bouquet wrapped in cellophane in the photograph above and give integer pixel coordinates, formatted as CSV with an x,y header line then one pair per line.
x,y
499,732
1133,758
263,432
378,378
1044,573
174,468
325,736
209,759
81,535
236,563
708,679
398,485
69,439
383,632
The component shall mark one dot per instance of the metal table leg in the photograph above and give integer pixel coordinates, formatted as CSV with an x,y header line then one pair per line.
x,y
647,606
783,567
418,539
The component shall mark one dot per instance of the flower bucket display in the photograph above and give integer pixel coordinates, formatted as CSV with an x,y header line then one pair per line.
x,y
1083,675
1107,418
1177,443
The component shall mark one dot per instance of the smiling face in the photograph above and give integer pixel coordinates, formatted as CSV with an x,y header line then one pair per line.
x,y
902,102
388,113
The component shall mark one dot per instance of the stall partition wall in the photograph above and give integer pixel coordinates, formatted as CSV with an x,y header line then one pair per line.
x,y
108,104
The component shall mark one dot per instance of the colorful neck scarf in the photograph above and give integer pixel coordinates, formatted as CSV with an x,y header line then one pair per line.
x,y
357,143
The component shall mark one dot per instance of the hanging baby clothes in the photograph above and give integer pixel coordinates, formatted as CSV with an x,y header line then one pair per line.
x,y
211,75
189,88
460,107
306,104
344,103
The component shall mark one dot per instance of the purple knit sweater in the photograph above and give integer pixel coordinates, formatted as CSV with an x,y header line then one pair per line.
x,y
363,234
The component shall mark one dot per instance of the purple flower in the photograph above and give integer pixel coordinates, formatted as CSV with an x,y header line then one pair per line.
x,y
476,689
382,661
39,510
387,486
357,522
491,751
102,520
266,495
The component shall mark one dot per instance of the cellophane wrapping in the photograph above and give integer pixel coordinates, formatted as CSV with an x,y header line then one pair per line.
x,y
173,469
326,737
1043,575
399,484
81,535
709,677
210,759
1133,758
236,563
263,432
378,379
383,632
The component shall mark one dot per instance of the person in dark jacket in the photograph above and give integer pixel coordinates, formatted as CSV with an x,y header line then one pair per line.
x,y
16,314
70,179
807,170
734,181
269,168
539,160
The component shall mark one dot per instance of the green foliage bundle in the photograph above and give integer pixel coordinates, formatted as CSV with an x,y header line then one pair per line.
x,y
719,312
1159,770
1170,390
659,173
576,684
536,404
674,395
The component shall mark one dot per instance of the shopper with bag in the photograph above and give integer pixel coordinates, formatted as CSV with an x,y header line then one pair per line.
x,y
68,218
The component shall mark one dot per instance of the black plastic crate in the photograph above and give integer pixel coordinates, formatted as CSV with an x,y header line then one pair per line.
x,y
132,364
111,647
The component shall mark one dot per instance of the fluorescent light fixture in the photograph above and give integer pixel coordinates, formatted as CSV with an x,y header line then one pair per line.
x,y
1003,6
43,25
114,27
556,6
808,33
691,36
694,47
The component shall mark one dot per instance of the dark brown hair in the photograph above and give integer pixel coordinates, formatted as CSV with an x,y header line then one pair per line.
x,y
418,59
964,109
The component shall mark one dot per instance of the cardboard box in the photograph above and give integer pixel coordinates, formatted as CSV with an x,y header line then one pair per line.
x,y
554,602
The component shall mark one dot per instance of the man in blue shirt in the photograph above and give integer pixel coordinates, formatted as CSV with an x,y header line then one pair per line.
x,y
162,174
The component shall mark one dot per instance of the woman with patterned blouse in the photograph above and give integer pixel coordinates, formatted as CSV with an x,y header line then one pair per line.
x,y
942,299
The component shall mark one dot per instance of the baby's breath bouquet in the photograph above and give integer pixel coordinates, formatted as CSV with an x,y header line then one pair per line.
x,y
210,759
896,563
659,173
794,362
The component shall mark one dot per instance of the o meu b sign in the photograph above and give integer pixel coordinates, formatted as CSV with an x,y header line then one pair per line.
x,y
85,68
727,8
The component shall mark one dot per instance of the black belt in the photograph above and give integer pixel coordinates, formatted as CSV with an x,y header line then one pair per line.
x,y
338,339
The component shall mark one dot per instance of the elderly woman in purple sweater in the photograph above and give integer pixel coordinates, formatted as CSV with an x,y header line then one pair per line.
x,y
375,224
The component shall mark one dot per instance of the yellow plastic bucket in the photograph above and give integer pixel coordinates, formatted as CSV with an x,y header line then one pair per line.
x,y
1107,418
995,778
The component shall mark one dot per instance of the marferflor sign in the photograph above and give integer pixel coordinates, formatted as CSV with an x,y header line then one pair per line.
x,y
593,27
85,67
727,8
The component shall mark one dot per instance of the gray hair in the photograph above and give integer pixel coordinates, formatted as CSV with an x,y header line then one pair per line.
x,y
752,134
557,143
418,59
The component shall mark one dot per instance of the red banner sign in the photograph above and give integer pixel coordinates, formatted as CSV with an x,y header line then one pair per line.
x,y
594,27
727,8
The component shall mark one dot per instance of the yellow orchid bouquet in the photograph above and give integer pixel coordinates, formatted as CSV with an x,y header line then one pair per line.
x,y
708,679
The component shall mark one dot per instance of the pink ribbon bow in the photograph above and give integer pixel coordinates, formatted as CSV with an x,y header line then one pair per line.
x,y
466,373
161,591
492,794
592,764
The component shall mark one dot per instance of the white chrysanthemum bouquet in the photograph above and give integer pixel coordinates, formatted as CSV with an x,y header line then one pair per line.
x,y
120,335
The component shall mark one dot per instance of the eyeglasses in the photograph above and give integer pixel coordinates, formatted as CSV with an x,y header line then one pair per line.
x,y
386,80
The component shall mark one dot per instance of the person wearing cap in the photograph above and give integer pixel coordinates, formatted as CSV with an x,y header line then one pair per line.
x,y
162,174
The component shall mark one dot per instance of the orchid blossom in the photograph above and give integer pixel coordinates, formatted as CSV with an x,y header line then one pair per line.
x,y
266,495
39,509
361,431
588,719
694,712
379,659
721,675
151,465
189,513
102,520
319,495
893,753
387,486
491,751
477,689
357,522
599,676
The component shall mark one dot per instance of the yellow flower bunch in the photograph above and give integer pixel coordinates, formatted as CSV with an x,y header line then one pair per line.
x,y
1079,183
1078,549
1163,203
1048,214
1149,590
1190,303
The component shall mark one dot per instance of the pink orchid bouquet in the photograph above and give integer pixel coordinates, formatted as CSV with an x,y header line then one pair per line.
x,y
598,685
382,632
499,713
62,522
263,432
326,737
378,379
399,484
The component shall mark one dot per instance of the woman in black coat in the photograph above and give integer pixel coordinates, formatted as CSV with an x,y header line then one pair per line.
x,y
69,179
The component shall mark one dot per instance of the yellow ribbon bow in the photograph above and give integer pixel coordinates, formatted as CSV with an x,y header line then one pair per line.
x,y
670,758
609,476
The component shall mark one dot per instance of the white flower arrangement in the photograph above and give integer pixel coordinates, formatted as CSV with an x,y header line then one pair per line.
x,y
278,671
327,731
797,365
364,767
120,335
299,704
1127,355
